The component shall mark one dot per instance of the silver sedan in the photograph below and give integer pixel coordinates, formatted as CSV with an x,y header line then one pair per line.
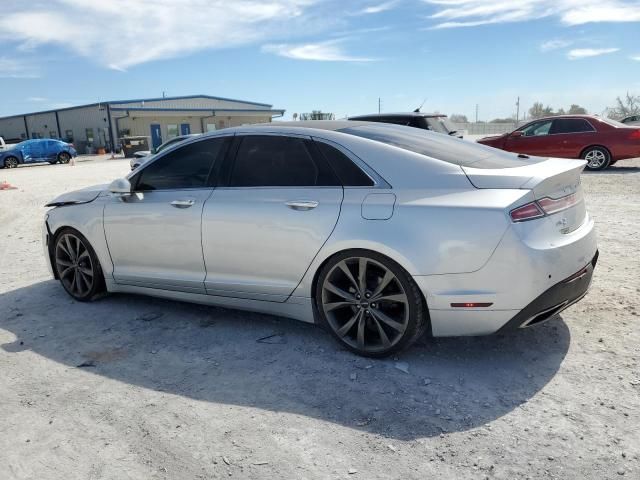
x,y
379,233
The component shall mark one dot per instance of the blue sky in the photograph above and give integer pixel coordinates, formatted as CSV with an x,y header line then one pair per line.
x,y
337,56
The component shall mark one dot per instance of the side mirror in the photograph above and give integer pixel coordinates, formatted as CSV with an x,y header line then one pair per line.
x,y
517,133
121,187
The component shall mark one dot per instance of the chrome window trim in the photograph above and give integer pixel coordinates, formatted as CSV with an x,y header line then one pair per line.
x,y
554,134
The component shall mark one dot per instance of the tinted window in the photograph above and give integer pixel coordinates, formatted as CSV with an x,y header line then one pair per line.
x,y
277,161
186,167
349,173
537,129
442,147
571,125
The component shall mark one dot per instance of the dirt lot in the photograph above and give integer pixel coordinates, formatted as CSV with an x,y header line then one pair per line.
x,y
132,387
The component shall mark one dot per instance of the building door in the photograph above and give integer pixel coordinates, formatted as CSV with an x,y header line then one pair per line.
x,y
156,135
185,129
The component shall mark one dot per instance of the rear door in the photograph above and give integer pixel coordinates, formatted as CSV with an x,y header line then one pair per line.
x,y
571,136
534,140
276,205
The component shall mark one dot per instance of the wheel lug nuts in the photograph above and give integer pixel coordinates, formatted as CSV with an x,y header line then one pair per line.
x,y
367,295
373,305
358,297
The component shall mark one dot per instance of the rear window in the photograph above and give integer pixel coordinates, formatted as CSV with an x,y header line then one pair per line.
x,y
441,147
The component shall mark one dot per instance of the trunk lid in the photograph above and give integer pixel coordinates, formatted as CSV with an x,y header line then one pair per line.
x,y
554,178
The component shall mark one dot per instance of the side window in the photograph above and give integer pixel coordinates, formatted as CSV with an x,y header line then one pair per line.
x,y
571,125
186,167
349,173
277,161
537,129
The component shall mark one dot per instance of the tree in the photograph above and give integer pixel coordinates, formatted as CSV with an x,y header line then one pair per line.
x,y
630,105
503,120
458,118
577,110
539,110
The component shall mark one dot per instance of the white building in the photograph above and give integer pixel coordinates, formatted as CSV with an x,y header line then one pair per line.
x,y
100,125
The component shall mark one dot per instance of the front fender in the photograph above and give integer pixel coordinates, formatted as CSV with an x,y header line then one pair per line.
x,y
87,219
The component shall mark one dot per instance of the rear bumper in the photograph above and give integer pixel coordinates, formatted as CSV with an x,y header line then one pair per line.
x,y
554,300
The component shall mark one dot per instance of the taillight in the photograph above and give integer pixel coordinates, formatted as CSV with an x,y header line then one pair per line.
x,y
635,135
544,206
526,212
553,205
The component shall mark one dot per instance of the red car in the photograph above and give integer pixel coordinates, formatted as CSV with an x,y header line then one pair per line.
x,y
600,141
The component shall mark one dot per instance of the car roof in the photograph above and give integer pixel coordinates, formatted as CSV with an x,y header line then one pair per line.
x,y
398,114
553,117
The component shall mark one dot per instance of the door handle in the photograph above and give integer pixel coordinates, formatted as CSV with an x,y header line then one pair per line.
x,y
182,203
302,205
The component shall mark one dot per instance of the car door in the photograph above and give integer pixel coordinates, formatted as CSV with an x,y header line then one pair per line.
x,y
275,206
154,236
571,136
532,139
27,151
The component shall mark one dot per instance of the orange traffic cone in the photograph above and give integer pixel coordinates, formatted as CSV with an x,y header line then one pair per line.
x,y
7,186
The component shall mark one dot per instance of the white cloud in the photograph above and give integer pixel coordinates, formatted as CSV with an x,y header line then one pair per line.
x,y
554,45
121,33
589,52
635,57
36,99
328,51
13,68
470,13
379,8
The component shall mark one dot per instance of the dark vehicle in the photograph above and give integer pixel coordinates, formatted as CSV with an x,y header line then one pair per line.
x,y
435,122
599,141
37,150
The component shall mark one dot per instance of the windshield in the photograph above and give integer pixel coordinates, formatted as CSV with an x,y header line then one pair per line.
x,y
448,149
441,124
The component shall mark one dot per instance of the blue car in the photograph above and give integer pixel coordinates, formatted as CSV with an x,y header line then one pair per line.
x,y
33,151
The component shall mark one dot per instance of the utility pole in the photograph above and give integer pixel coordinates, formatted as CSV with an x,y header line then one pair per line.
x,y
476,113
378,104
164,94
517,110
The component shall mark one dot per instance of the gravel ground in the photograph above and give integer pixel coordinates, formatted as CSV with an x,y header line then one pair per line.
x,y
133,387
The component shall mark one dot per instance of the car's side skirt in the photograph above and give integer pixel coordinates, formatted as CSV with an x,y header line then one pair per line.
x,y
298,308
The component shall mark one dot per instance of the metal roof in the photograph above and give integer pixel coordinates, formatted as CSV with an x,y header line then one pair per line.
x,y
135,100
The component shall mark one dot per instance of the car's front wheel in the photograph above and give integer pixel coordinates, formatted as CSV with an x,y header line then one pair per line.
x,y
369,303
10,162
77,265
598,158
64,157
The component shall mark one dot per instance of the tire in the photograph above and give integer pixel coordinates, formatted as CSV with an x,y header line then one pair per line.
x,y
64,157
598,158
11,162
378,317
77,265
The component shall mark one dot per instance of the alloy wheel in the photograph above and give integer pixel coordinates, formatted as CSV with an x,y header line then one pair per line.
x,y
74,265
365,304
11,162
595,159
64,157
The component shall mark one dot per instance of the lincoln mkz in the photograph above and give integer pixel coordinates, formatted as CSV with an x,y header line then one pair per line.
x,y
380,233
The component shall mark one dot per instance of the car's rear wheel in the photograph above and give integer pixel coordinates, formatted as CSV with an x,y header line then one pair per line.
x,y
64,157
77,265
370,303
10,162
598,158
